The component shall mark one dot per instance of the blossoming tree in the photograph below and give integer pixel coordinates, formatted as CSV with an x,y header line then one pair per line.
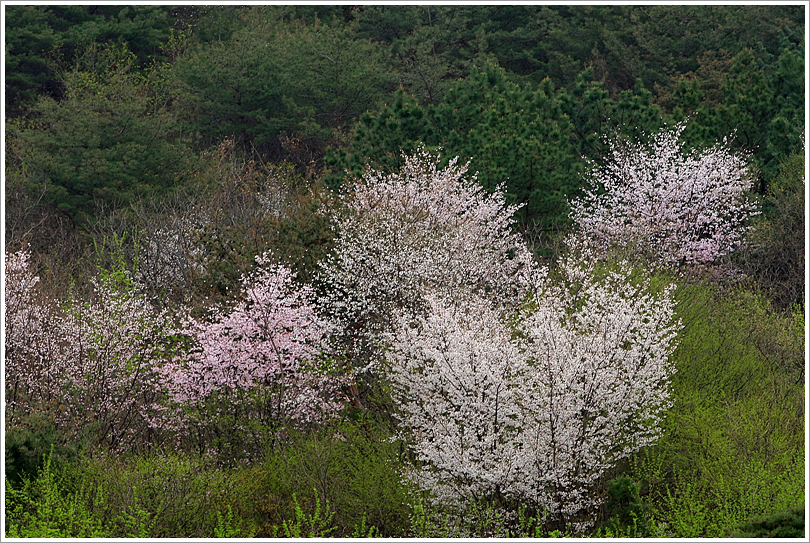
x,y
535,406
673,208
256,366
32,347
90,364
399,233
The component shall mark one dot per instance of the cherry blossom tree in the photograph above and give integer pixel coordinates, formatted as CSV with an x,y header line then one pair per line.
x,y
399,233
257,365
114,346
32,343
674,208
535,406
87,364
456,377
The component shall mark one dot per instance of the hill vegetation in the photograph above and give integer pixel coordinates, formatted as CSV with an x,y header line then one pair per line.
x,y
404,271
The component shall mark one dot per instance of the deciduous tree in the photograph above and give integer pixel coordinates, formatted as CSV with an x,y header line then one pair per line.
x,y
423,226
534,407
256,366
87,365
672,207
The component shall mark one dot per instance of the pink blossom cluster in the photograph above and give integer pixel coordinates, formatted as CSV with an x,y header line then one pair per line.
x,y
421,227
534,405
115,364
677,209
270,347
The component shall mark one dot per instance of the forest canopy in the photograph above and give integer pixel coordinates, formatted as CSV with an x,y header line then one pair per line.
x,y
524,91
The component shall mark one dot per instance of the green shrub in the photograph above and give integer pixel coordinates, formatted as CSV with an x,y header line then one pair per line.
x,y
42,508
30,442
788,523
774,256
625,508
227,526
315,524
171,495
352,467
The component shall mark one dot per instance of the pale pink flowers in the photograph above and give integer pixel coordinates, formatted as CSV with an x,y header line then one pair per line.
x,y
270,344
666,206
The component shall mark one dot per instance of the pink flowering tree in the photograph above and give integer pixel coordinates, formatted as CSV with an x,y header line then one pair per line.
x,y
423,227
255,367
673,208
89,365
535,406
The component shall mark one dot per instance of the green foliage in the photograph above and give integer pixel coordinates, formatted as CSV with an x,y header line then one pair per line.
x,y
287,88
32,441
733,445
42,509
517,136
363,530
789,523
42,40
625,508
227,526
30,39
146,496
630,115
112,137
775,254
157,495
352,467
315,524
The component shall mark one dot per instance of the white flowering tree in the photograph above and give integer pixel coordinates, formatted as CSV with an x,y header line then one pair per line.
x,y
33,376
400,233
673,208
91,363
537,406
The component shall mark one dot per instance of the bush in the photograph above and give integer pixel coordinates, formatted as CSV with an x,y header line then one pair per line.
x,y
33,440
42,509
624,505
155,495
789,523
351,466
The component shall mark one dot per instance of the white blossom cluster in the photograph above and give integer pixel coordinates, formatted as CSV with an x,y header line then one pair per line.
x,y
536,407
675,208
168,255
419,228
508,383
